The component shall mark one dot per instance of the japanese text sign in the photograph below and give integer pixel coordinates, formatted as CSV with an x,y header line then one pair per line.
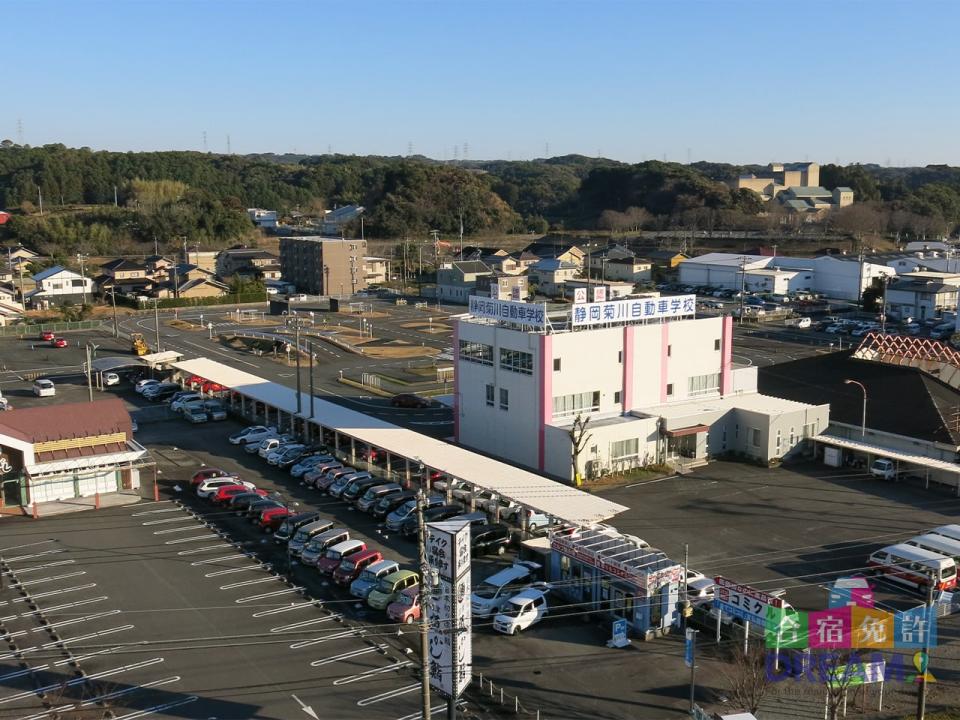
x,y
519,313
622,311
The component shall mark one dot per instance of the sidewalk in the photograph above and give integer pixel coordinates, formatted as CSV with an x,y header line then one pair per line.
x,y
46,509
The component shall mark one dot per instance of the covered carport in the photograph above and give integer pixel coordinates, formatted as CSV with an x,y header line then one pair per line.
x,y
393,452
940,471
152,361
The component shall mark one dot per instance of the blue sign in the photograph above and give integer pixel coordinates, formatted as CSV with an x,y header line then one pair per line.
x,y
688,647
620,633
621,311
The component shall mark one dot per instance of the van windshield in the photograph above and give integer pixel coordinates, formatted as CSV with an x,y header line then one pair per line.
x,y
514,609
486,591
348,566
948,572
385,585
301,536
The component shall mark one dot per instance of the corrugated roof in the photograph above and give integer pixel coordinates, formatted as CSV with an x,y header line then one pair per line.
x,y
522,486
67,420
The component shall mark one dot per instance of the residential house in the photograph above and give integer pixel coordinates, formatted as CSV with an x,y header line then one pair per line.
x,y
479,252
263,218
502,286
457,281
922,295
665,259
10,307
506,264
618,263
157,266
18,254
57,285
334,221
205,259
558,251
550,274
248,262
124,276
376,270
188,281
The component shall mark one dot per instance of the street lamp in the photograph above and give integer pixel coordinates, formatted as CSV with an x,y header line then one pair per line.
x,y
863,422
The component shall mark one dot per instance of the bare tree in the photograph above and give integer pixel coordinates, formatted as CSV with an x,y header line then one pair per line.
x,y
748,677
836,672
578,440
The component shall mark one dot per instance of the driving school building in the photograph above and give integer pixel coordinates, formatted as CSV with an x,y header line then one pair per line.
x,y
67,451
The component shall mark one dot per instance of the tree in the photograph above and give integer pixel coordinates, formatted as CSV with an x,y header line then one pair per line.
x,y
578,440
748,677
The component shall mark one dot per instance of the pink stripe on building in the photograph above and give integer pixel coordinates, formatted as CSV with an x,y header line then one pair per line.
x,y
664,359
546,395
456,381
627,397
726,360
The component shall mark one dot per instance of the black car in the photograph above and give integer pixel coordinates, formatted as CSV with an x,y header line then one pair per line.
x,y
162,392
292,523
242,501
358,487
390,503
434,514
487,539
255,508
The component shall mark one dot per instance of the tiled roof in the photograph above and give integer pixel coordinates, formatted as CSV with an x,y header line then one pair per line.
x,y
65,421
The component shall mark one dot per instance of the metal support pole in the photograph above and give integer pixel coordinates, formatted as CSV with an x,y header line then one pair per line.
x,y
424,607
113,298
89,377
156,321
693,669
296,351
310,350
922,688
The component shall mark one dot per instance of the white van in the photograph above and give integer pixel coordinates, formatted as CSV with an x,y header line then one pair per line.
x,y
44,388
950,531
798,322
884,469
914,566
494,592
524,609
938,544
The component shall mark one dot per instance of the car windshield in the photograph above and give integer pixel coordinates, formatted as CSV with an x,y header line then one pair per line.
x,y
333,554
406,600
487,592
369,494
368,576
385,585
300,536
348,566
513,609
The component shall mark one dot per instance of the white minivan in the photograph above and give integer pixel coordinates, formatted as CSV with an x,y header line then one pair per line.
x,y
524,609
494,592
44,388
884,469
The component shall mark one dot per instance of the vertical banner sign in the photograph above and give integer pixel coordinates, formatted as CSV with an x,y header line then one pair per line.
x,y
600,293
450,645
580,295
689,640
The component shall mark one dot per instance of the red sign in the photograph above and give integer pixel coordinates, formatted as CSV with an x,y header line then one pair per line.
x,y
725,587
4,216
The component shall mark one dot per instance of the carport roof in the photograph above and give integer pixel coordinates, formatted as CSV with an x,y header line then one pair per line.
x,y
106,364
881,451
526,488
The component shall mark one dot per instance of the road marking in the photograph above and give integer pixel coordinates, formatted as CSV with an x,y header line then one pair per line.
x,y
168,520
158,708
248,582
35,555
418,715
305,623
189,539
45,566
78,658
21,673
367,674
76,620
266,595
650,482
348,655
50,579
154,512
218,546
285,608
104,697
210,561
230,571
388,695
169,531
49,610
81,680
17,547
54,592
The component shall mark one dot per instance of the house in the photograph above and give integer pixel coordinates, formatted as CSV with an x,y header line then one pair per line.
x,y
557,251
10,307
248,262
124,276
502,286
157,266
666,259
188,281
478,252
377,270
57,285
202,287
549,275
457,281
506,264
334,221
263,218
18,253
922,295
629,269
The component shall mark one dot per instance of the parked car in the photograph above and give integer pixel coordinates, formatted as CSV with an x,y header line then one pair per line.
x,y
47,335
292,523
410,526
215,410
313,478
342,478
494,591
390,587
225,492
240,503
700,590
181,399
403,513
255,508
314,551
486,539
884,469
160,391
195,415
297,297
253,433
290,455
207,488
305,534
305,464
142,385
208,473
58,342
270,444
111,378
351,566
273,457
406,608
370,577
358,486
372,495
408,400
271,518
524,609
44,388
389,503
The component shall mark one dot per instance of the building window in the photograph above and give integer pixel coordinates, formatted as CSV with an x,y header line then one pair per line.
x,y
669,350
619,356
755,437
779,442
476,352
669,389
567,405
490,395
624,449
703,384
504,399
716,344
616,397
516,361
556,364
793,438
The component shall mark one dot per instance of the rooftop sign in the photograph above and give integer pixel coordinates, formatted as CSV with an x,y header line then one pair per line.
x,y
623,311
520,313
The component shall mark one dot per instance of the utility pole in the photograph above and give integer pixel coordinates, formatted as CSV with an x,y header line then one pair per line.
x,y
296,350
156,322
310,350
89,375
83,277
113,299
40,197
922,687
424,601
743,284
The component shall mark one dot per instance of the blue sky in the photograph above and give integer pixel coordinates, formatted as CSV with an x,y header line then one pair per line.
x,y
723,81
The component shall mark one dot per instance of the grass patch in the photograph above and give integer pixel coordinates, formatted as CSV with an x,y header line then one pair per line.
x,y
182,325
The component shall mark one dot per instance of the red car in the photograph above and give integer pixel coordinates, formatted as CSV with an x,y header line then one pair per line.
x,y
194,380
336,554
208,473
223,494
210,387
59,342
272,518
47,335
350,568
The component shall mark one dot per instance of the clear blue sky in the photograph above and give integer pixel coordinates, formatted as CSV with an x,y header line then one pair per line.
x,y
871,81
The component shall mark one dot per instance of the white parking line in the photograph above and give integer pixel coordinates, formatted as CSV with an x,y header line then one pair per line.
x,y
21,673
35,555
210,561
230,571
244,583
286,608
158,708
103,698
167,521
17,547
55,608
188,528
76,620
347,655
45,566
305,623
81,680
418,715
241,601
367,674
218,546
78,658
154,512
50,579
189,539
54,592
388,695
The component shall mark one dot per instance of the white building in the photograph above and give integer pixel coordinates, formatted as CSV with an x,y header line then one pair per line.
x,y
922,295
376,270
653,389
843,277
57,285
263,218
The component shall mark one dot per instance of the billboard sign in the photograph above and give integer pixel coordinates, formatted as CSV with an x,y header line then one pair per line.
x,y
622,311
448,610
745,602
579,295
519,313
600,294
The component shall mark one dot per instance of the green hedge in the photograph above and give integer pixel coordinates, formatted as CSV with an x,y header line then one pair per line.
x,y
255,297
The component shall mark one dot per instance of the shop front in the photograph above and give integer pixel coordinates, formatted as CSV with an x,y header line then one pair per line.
x,y
603,571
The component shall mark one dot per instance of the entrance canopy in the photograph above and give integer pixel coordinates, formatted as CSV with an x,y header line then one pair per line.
x,y
523,487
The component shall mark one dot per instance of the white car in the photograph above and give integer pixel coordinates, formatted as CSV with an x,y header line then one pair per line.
x,y
144,384
524,609
133,425
297,297
181,402
270,444
272,290
44,388
274,457
208,487
111,378
253,433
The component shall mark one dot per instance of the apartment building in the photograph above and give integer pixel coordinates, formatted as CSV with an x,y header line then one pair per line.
x,y
323,266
